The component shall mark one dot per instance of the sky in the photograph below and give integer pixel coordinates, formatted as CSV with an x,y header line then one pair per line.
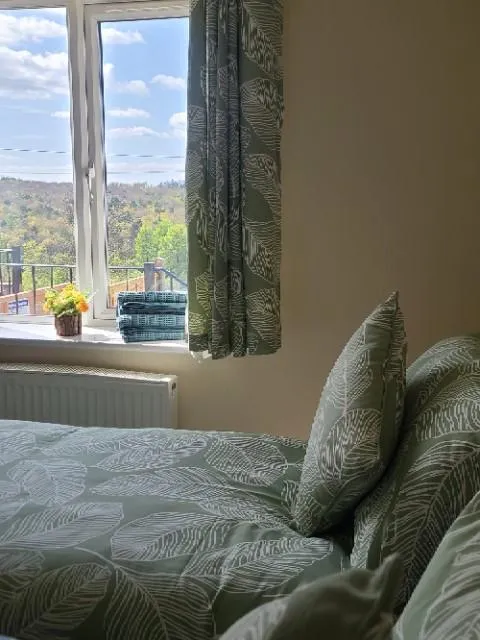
x,y
145,70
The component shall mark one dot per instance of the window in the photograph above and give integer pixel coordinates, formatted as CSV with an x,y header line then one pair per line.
x,y
36,194
93,119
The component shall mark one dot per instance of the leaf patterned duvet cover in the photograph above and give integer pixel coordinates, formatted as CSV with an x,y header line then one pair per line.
x,y
126,534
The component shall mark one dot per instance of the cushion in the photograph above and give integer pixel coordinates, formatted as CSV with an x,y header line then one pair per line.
x,y
355,430
436,470
356,605
445,603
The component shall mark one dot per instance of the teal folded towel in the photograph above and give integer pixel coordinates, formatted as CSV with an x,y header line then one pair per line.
x,y
148,297
151,308
151,335
151,321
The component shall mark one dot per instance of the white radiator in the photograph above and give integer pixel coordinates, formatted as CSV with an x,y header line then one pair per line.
x,y
87,397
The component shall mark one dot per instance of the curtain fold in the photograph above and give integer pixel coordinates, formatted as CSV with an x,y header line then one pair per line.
x,y
233,190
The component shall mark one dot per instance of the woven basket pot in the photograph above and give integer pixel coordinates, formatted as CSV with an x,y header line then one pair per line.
x,y
69,325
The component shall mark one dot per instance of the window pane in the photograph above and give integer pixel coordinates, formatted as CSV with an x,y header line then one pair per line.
x,y
36,195
145,70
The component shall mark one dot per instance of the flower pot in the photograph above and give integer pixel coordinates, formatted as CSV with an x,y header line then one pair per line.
x,y
69,325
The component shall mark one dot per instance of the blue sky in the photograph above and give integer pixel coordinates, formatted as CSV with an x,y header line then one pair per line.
x,y
145,70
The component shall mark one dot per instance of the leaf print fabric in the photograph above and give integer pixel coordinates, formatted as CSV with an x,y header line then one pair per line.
x,y
436,470
356,428
233,191
354,605
118,534
445,602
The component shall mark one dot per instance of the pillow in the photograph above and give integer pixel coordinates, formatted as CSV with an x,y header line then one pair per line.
x,y
445,603
354,605
355,430
436,470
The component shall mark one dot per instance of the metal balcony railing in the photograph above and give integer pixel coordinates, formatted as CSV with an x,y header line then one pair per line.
x,y
20,277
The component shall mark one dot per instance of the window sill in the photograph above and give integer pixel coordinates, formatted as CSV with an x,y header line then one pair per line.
x,y
38,335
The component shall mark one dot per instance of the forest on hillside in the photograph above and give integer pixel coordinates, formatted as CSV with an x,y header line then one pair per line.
x,y
145,222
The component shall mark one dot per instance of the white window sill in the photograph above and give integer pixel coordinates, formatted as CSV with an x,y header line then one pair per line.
x,y
37,335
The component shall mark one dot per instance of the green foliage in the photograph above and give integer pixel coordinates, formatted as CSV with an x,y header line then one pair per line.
x,y
163,238
145,222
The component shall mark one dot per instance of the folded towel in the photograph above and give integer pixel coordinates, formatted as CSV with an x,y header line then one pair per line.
x,y
148,297
151,308
149,335
150,321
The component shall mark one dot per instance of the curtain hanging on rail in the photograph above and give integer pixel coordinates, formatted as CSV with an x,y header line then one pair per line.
x,y
235,111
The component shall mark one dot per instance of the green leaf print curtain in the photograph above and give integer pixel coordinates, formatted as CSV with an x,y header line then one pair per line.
x,y
235,111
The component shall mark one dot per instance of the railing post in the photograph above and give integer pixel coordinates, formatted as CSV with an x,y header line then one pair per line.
x,y
149,276
159,275
16,256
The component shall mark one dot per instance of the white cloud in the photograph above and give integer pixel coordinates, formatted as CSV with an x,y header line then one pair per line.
x,y
61,114
130,112
135,132
178,127
114,36
28,29
138,87
178,124
28,76
170,82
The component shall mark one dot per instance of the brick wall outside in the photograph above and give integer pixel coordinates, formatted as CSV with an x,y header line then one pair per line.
x,y
25,298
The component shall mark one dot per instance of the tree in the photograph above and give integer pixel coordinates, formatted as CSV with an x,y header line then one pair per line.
x,y
163,238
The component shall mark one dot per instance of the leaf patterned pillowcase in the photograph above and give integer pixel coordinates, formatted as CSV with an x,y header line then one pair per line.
x,y
445,603
353,605
436,470
355,430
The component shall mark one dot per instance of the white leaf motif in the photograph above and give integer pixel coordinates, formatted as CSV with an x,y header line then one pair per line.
x,y
261,35
90,441
15,445
242,567
263,108
153,607
59,600
17,570
262,248
168,535
206,489
8,489
249,461
455,414
62,527
145,453
439,485
263,310
10,506
263,174
50,482
289,492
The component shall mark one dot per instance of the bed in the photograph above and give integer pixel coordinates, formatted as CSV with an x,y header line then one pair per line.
x,y
150,534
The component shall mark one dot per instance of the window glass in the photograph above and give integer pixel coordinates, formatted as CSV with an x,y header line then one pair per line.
x,y
144,84
37,247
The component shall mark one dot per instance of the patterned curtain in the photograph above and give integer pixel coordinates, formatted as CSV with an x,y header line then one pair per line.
x,y
235,111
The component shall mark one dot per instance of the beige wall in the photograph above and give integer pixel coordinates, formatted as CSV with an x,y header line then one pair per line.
x,y
381,163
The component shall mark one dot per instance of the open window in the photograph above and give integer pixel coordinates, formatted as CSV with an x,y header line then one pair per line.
x,y
92,175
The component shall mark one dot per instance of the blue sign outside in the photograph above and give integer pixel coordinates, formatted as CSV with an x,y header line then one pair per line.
x,y
23,307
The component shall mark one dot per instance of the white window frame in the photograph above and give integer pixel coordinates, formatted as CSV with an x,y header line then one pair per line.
x,y
88,135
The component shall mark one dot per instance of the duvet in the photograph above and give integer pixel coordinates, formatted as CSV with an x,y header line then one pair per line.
x,y
152,534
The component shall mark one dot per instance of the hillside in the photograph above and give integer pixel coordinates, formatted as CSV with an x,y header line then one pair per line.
x,y
144,222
